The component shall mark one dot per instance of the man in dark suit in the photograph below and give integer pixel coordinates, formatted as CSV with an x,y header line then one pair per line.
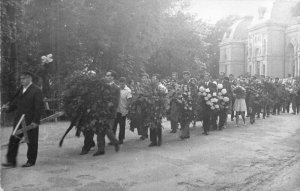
x,y
28,101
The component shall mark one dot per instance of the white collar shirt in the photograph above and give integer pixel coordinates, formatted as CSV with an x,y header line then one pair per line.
x,y
125,94
25,88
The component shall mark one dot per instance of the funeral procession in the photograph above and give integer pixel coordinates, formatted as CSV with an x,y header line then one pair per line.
x,y
157,95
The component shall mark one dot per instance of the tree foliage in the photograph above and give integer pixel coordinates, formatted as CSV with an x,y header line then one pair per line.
x,y
128,36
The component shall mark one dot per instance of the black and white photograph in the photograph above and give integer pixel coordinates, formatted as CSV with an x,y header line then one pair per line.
x,y
150,95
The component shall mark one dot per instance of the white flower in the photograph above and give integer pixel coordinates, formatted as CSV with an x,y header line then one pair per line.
x,y
209,95
207,90
221,97
217,106
47,59
223,91
212,107
204,93
226,99
185,88
208,102
219,93
201,89
215,82
214,94
220,86
205,98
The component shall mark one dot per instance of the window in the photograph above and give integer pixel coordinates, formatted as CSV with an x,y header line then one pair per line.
x,y
258,68
264,46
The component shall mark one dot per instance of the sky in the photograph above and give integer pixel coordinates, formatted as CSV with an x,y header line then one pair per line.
x,y
213,10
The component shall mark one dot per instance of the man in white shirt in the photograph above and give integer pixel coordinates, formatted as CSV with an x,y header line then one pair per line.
x,y
122,110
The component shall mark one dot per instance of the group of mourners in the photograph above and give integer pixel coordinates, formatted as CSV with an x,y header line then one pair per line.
x,y
97,105
145,103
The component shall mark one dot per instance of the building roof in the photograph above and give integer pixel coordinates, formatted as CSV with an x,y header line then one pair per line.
x,y
238,31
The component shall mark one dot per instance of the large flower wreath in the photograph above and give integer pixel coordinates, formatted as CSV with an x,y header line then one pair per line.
x,y
89,96
157,106
215,100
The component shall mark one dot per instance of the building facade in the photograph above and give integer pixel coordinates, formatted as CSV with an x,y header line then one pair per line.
x,y
267,44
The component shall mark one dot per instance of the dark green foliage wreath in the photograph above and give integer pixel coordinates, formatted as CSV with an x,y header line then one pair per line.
x,y
89,96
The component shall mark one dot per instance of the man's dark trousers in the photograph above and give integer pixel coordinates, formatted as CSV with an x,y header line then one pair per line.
x,y
156,135
121,120
13,147
88,139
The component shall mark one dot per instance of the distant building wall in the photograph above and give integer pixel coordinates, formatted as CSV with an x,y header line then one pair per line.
x,y
267,45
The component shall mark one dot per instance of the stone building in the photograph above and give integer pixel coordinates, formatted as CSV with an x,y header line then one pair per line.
x,y
266,44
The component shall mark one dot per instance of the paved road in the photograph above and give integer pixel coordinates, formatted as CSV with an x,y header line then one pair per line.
x,y
263,156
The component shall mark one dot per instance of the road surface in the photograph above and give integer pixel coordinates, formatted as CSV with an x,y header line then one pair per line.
x,y
263,156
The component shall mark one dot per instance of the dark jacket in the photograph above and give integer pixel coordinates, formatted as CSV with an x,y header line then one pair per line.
x,y
30,103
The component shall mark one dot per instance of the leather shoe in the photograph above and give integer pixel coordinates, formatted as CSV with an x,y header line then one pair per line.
x,y
27,165
117,148
99,153
173,131
84,151
152,144
143,137
9,165
184,137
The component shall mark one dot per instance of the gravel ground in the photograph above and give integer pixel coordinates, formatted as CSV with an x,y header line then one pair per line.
x,y
263,156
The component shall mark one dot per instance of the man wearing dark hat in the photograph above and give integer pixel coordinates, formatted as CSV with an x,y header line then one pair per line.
x,y
29,101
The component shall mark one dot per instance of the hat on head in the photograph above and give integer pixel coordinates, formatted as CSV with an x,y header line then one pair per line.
x,y
27,73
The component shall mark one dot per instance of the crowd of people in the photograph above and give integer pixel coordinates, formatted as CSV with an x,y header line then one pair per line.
x,y
98,105
210,101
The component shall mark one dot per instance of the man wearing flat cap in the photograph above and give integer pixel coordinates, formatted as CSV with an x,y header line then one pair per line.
x,y
29,101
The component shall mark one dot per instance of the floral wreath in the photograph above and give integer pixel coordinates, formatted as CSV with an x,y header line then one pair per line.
x,y
215,100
